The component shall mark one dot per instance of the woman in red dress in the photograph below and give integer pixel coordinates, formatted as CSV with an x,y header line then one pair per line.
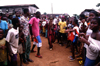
x,y
50,33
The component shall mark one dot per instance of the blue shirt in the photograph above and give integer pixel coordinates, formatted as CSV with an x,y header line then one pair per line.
x,y
3,25
15,17
10,21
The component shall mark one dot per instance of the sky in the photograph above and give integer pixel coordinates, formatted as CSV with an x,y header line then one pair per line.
x,y
59,6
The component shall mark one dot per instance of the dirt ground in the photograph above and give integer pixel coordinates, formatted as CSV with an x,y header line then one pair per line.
x,y
57,57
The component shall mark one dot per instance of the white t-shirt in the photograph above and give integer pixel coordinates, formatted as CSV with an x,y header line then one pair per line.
x,y
77,30
93,49
13,38
88,32
69,25
60,20
55,21
43,23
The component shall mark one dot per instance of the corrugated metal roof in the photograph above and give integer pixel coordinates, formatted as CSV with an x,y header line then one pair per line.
x,y
19,5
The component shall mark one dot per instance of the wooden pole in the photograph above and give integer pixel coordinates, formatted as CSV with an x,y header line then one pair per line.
x,y
52,8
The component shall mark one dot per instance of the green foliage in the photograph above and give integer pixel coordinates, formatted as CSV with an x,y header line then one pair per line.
x,y
98,5
45,13
76,15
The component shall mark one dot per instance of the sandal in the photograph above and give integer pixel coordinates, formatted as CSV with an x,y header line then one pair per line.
x,y
71,59
69,56
39,56
79,58
80,62
78,55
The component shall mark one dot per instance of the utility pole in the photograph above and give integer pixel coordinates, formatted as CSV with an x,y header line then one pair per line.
x,y
52,8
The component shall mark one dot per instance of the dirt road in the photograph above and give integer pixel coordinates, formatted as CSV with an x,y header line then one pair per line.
x,y
57,57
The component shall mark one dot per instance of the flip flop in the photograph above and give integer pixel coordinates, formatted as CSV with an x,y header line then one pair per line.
x,y
79,58
69,56
39,56
71,59
81,62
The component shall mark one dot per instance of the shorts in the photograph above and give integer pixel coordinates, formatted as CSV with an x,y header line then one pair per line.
x,y
20,49
75,42
14,58
63,35
89,62
37,41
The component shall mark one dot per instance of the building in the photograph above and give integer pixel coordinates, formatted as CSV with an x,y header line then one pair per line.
x,y
12,8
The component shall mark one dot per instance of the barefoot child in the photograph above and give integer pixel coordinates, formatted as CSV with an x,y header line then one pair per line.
x,y
21,46
83,28
12,41
3,52
75,31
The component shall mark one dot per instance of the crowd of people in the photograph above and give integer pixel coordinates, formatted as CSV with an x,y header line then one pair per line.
x,y
80,34
15,32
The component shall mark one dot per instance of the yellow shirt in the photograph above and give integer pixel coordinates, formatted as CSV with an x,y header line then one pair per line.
x,y
62,25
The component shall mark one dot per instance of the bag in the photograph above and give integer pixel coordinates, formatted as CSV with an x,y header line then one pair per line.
x,y
71,36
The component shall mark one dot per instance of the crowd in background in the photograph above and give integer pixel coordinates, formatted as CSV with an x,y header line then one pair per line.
x,y
81,34
74,32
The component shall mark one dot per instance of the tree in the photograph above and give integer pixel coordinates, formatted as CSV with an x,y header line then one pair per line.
x,y
45,13
76,15
98,5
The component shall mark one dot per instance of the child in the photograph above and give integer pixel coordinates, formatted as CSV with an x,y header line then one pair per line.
x,y
50,33
46,27
83,25
3,25
43,24
12,41
3,52
21,46
4,18
93,42
57,31
70,34
92,15
70,23
75,31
